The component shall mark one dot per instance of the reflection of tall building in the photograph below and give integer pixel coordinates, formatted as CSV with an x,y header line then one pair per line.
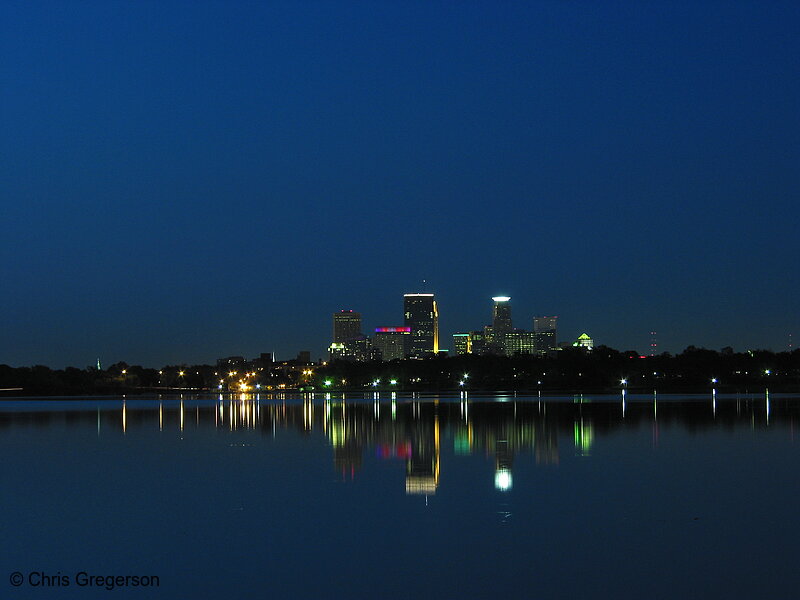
x,y
503,460
422,316
346,325
584,437
391,342
422,467
545,330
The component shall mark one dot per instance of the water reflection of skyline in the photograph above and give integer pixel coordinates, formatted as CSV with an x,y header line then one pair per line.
x,y
413,430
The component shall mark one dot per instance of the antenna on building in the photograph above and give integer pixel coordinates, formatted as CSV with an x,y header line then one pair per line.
x,y
653,343
790,342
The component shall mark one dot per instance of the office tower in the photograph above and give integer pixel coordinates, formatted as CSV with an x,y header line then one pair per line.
x,y
545,330
519,342
584,342
478,342
501,315
422,316
391,342
462,343
346,326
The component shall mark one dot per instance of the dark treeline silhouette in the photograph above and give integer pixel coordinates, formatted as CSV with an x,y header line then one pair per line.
x,y
600,370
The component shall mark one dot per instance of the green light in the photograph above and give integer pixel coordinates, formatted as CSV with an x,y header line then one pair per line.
x,y
584,437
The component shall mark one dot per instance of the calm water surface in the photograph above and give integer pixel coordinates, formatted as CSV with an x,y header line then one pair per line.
x,y
381,497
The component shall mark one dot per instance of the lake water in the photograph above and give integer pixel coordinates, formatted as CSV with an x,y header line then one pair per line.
x,y
400,497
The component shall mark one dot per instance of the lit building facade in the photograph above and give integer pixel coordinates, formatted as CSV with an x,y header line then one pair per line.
x,y
391,342
584,342
501,315
346,325
462,343
519,342
422,316
357,349
545,330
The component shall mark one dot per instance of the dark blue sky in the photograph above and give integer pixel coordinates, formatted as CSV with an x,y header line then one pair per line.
x,y
187,180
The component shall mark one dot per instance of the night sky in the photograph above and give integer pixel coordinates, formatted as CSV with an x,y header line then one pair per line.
x,y
183,181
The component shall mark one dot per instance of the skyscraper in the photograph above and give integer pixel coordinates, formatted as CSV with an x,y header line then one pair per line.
x,y
346,325
391,342
422,316
501,315
545,330
462,344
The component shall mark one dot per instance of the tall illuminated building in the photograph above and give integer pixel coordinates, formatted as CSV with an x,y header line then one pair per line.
x,y
501,315
391,342
462,343
346,325
422,316
544,328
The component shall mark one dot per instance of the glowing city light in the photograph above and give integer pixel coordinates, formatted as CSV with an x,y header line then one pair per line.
x,y
503,480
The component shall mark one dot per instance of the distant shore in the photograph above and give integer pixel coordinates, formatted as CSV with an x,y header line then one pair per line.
x,y
573,371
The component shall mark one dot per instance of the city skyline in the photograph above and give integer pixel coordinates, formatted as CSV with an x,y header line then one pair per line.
x,y
182,183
